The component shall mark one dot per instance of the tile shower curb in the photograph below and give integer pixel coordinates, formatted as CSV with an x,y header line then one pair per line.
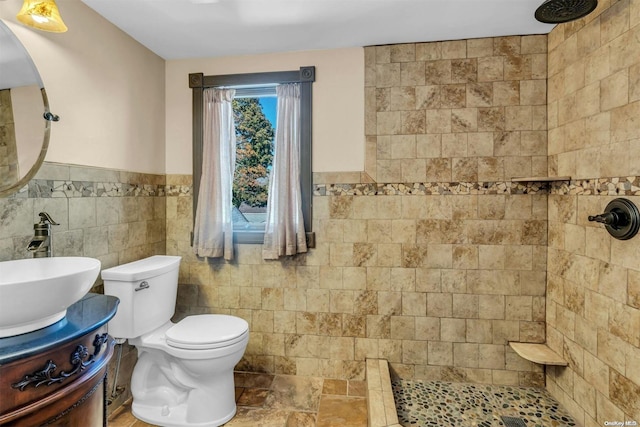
x,y
381,407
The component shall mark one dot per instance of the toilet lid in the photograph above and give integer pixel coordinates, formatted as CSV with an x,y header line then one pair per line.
x,y
207,331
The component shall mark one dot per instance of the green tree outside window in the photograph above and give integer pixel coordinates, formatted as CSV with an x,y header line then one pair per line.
x,y
254,153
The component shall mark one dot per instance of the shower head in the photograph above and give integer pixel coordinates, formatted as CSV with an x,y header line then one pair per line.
x,y
559,11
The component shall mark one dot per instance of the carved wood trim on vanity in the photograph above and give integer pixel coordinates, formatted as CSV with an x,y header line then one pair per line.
x,y
46,374
34,394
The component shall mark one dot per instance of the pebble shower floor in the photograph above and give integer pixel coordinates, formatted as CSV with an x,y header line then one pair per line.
x,y
438,404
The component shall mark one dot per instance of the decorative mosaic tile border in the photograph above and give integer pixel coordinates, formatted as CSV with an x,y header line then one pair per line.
x,y
42,188
177,190
618,186
57,180
432,188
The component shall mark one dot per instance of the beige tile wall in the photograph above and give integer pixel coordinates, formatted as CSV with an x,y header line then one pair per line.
x,y
111,215
466,110
593,303
436,284
114,216
438,298
594,89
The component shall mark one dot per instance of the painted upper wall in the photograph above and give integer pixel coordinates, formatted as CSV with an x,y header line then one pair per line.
x,y
110,94
107,89
338,103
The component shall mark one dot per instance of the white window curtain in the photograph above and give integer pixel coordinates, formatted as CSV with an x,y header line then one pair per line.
x,y
213,229
284,229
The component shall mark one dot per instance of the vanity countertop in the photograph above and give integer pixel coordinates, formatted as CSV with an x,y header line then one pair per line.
x,y
91,312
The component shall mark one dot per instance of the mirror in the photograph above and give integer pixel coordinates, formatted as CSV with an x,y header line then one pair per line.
x,y
24,115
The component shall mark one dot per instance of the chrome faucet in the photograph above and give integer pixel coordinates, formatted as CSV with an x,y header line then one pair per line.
x,y
42,244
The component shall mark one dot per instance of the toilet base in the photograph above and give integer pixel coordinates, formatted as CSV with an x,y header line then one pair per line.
x,y
174,391
175,418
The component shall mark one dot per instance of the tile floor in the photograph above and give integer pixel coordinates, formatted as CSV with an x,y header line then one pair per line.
x,y
436,403
285,401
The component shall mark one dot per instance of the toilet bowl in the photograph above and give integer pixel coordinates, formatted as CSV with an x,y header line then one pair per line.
x,y
184,372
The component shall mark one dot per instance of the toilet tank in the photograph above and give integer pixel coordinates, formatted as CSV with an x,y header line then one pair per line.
x,y
147,290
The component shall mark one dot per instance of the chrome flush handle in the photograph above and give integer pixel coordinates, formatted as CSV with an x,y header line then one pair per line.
x,y
144,285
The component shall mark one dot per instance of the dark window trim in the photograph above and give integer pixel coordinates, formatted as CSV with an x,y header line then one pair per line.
x,y
305,76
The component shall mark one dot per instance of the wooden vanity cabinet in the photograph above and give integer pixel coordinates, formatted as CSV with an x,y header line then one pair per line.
x,y
62,385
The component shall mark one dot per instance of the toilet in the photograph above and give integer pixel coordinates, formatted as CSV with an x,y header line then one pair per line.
x,y
184,373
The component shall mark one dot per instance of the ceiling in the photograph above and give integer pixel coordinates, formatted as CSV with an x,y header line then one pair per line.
x,y
178,29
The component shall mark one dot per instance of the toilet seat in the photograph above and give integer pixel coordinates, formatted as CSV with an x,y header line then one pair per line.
x,y
207,331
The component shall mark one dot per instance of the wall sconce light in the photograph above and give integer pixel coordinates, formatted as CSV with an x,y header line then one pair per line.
x,y
43,15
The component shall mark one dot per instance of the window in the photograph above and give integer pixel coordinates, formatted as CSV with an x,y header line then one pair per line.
x,y
254,111
254,90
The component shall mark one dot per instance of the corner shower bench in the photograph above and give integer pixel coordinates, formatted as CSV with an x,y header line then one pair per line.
x,y
538,353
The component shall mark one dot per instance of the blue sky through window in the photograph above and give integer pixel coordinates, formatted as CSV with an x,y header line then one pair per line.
x,y
269,107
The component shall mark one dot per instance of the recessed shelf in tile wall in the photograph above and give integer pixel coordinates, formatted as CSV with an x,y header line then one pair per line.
x,y
541,179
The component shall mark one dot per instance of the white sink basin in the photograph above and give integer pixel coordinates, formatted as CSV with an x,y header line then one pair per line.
x,y
35,293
